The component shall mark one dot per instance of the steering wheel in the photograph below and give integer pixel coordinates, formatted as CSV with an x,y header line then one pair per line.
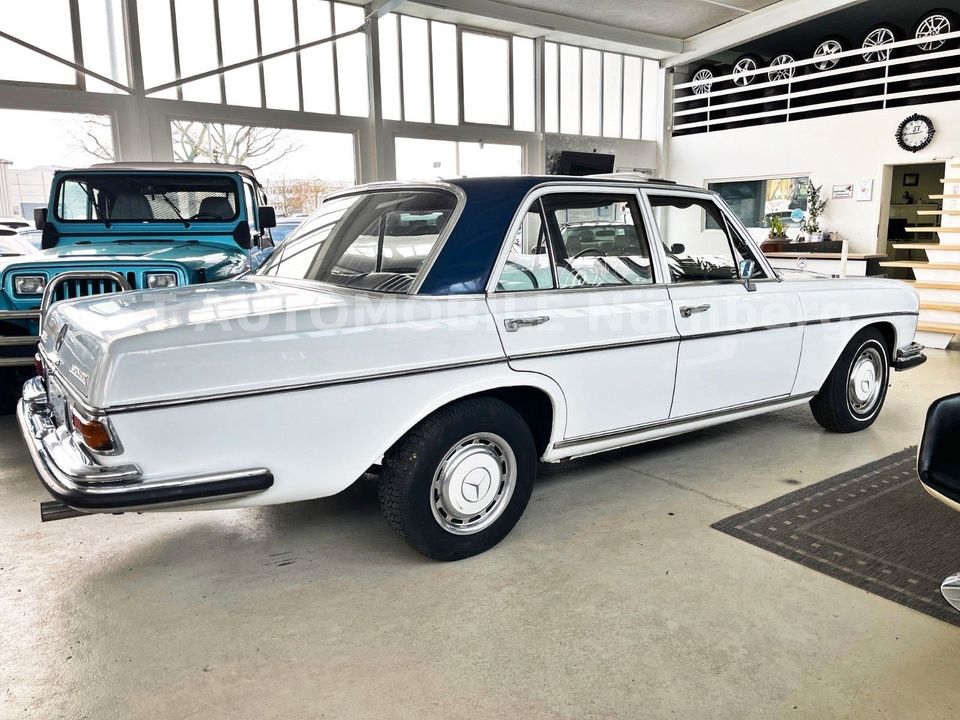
x,y
597,251
525,271
209,215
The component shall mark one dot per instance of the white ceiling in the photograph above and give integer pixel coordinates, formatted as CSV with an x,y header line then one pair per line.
x,y
673,31
679,19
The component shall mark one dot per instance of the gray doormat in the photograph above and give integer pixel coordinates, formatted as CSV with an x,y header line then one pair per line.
x,y
873,527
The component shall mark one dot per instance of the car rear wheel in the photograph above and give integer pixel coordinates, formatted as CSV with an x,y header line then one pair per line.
x,y
853,394
457,483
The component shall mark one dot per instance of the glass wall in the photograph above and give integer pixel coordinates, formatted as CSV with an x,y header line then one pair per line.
x,y
38,143
421,159
191,37
754,201
296,167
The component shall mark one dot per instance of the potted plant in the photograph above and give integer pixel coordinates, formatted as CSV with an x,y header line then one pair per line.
x,y
815,206
778,231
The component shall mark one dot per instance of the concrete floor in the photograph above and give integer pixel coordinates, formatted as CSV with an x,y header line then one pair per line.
x,y
612,598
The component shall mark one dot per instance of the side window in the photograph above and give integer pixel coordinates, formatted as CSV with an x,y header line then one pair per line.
x,y
528,266
598,240
698,241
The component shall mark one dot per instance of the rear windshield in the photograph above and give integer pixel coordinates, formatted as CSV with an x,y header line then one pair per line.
x,y
146,198
372,241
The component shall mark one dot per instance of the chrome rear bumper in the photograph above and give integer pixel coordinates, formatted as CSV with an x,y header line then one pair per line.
x,y
909,357
74,478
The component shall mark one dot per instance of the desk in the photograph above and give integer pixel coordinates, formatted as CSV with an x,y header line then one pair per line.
x,y
827,263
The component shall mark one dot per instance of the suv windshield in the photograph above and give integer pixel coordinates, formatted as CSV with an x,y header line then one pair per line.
x,y
146,198
371,241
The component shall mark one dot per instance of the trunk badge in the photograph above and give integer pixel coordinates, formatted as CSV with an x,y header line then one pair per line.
x,y
61,336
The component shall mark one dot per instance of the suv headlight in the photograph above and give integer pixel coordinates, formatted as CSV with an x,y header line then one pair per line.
x,y
29,284
157,281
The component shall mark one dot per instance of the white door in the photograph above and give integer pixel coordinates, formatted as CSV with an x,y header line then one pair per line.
x,y
579,298
739,343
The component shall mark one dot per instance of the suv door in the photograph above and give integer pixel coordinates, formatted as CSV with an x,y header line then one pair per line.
x,y
577,296
737,346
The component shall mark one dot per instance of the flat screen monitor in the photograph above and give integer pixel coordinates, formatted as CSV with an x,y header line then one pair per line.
x,y
583,163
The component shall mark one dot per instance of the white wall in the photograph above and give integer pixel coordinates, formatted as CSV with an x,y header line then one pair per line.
x,y
833,151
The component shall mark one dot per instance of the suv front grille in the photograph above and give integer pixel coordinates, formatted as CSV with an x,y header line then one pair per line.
x,y
84,288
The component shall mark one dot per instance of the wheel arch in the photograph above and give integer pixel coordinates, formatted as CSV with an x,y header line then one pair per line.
x,y
889,332
537,398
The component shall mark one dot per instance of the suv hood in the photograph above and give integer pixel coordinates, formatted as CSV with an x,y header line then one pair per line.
x,y
254,334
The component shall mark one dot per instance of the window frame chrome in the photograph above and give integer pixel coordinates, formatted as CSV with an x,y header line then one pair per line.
x,y
733,224
657,260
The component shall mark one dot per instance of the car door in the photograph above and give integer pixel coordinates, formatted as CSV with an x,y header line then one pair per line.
x,y
577,296
739,342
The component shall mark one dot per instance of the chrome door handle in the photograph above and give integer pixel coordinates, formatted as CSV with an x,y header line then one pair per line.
x,y
688,310
514,324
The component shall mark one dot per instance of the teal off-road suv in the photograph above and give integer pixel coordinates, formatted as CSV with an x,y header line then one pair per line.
x,y
126,226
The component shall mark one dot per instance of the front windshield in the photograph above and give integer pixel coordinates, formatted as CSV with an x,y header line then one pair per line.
x,y
146,198
370,241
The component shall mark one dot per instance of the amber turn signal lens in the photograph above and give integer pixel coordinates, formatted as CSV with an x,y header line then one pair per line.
x,y
94,433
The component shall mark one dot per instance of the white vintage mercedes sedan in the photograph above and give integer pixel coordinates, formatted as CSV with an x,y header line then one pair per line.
x,y
451,335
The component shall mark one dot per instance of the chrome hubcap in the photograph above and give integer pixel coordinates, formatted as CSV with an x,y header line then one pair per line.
x,y
930,27
703,81
780,73
825,50
743,66
877,38
865,381
473,484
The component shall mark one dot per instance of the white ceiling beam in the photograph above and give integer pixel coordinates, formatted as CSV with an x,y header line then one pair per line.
x,y
379,8
780,15
537,23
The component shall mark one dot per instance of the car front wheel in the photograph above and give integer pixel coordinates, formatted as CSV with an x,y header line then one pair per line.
x,y
456,484
854,391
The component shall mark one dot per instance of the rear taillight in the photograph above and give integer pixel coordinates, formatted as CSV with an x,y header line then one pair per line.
x,y
95,434
38,366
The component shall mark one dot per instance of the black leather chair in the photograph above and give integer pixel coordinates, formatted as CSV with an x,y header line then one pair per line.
x,y
938,462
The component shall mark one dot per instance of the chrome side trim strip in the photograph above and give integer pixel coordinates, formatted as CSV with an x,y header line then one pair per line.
x,y
595,348
136,407
671,422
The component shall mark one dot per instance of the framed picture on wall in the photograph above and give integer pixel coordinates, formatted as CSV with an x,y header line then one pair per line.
x,y
911,179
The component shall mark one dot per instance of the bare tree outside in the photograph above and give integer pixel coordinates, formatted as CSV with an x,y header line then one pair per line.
x,y
93,134
299,196
256,147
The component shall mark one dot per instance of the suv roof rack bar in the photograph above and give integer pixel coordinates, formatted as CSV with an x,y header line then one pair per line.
x,y
631,177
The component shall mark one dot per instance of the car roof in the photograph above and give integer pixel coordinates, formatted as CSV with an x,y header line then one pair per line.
x,y
179,167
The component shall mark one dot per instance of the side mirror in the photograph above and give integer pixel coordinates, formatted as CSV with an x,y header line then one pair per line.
x,y
678,248
746,268
266,217
39,218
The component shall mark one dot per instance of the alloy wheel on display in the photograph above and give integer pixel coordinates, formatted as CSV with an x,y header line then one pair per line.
x,y
702,81
932,26
874,41
742,66
778,71
826,50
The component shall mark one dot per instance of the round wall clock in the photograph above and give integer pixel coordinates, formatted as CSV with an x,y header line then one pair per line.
x,y
915,133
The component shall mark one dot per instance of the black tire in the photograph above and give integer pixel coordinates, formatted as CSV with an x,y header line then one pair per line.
x,y
938,17
746,62
877,53
410,498
827,47
833,407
